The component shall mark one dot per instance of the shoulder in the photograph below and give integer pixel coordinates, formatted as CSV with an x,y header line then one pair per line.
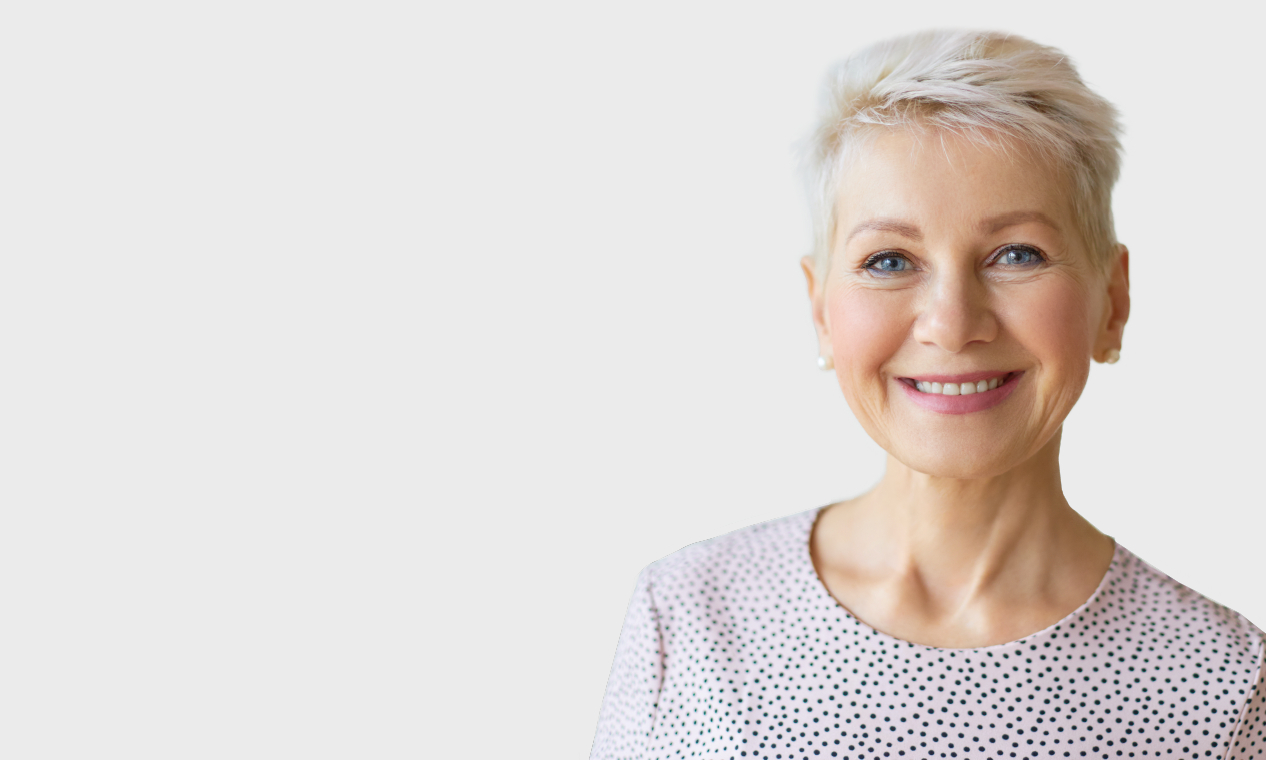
x,y
741,553
1168,611
1208,657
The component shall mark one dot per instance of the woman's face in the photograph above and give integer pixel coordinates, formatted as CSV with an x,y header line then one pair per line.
x,y
956,263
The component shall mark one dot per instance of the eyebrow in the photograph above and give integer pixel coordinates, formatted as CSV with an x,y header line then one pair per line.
x,y
904,229
989,226
1012,218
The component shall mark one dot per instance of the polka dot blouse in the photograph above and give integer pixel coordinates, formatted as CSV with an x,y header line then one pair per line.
x,y
732,648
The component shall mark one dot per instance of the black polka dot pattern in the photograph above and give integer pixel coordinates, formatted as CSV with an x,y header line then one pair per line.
x,y
732,648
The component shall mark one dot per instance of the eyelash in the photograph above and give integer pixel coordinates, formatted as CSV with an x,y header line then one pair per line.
x,y
1038,255
875,258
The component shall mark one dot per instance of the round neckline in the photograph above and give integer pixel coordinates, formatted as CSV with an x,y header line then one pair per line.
x,y
1118,557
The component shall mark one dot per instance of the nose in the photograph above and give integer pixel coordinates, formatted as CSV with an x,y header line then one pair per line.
x,y
955,312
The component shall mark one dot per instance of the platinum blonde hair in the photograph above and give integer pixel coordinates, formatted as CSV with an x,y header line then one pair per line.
x,y
989,87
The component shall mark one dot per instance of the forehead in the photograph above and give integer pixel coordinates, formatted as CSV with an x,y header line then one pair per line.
x,y
939,181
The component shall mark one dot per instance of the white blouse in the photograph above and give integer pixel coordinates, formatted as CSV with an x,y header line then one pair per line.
x,y
733,648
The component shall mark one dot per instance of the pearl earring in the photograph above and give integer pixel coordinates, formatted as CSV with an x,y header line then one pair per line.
x,y
1112,357
826,362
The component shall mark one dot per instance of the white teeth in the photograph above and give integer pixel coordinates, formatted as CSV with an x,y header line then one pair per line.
x,y
958,389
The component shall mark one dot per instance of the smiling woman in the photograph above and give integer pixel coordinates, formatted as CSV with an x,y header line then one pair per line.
x,y
965,275
962,264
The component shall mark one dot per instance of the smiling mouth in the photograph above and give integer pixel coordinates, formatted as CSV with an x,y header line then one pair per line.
x,y
959,389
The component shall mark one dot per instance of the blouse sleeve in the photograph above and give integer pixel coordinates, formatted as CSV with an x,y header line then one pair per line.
x,y
628,707
1248,742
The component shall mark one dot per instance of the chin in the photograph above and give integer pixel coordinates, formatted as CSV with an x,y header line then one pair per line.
x,y
961,463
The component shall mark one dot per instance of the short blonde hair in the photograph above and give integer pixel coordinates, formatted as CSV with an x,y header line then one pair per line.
x,y
986,86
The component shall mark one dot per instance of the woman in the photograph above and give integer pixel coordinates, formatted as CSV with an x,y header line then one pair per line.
x,y
965,275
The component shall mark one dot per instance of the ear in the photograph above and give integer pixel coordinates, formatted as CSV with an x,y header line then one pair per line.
x,y
817,292
1113,327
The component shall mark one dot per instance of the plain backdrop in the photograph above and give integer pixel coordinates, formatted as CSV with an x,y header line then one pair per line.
x,y
356,356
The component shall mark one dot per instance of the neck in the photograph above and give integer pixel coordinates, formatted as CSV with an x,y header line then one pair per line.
x,y
969,531
955,550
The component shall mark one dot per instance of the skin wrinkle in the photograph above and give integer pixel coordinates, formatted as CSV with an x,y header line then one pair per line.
x,y
967,540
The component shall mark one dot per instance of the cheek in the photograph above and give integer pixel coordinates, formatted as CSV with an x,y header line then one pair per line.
x,y
867,328
1055,323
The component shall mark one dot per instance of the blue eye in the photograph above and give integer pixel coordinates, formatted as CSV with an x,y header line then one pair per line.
x,y
1020,256
887,263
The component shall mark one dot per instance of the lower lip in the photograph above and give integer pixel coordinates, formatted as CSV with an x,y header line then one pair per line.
x,y
972,402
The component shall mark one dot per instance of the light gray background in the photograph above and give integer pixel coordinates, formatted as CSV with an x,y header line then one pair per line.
x,y
357,355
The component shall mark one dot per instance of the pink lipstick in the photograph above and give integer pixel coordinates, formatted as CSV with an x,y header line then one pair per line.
x,y
972,401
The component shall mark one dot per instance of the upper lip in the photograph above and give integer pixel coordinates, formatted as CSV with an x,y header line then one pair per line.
x,y
969,377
